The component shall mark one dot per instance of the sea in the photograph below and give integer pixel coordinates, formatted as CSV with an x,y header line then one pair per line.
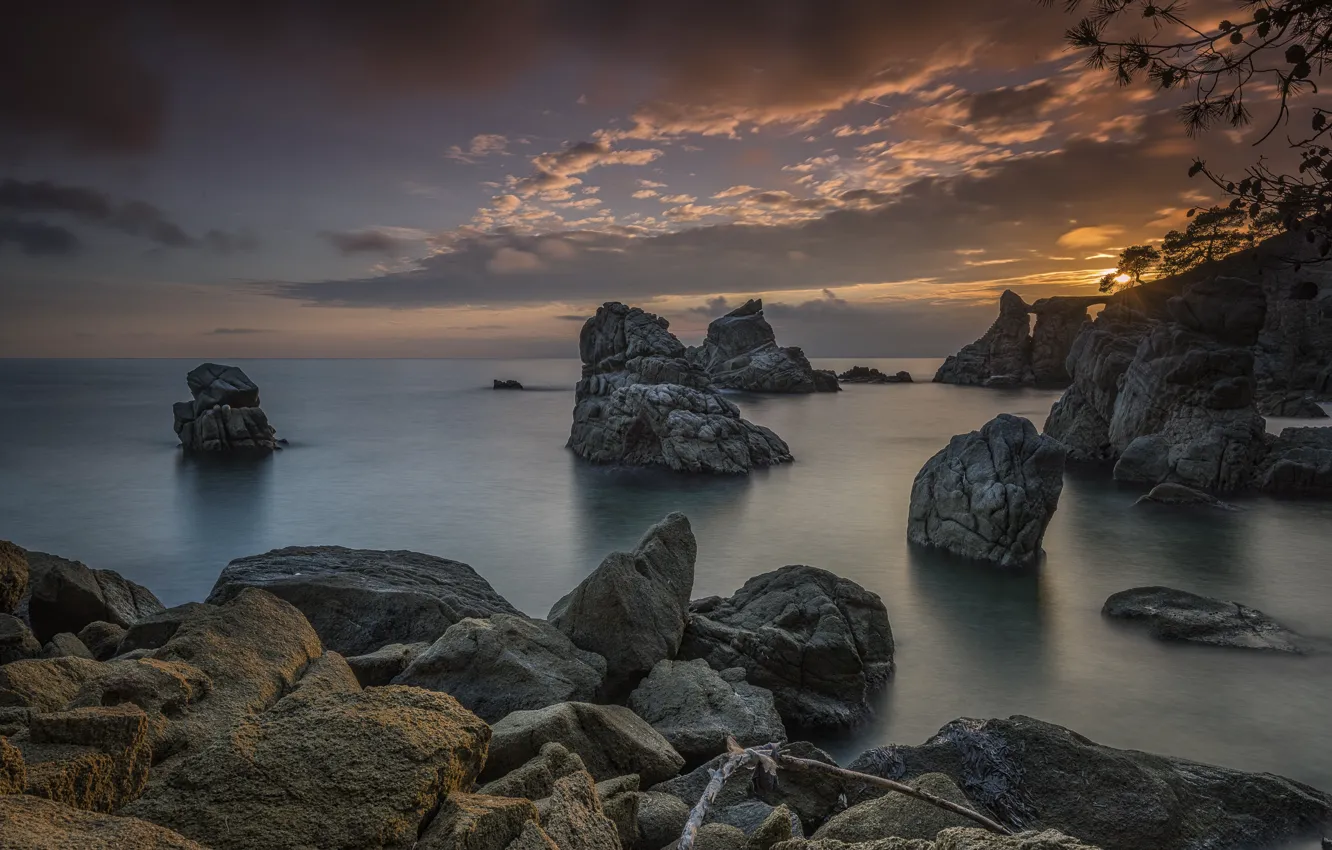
x,y
424,455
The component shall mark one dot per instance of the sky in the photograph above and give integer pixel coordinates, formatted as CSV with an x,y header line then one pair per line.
x,y
446,179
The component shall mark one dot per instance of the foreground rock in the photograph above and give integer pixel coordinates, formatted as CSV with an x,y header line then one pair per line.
x,y
741,353
65,596
870,375
1178,615
899,815
94,758
990,494
820,643
1030,774
642,403
16,640
1298,463
13,576
359,600
956,838
224,414
32,823
632,609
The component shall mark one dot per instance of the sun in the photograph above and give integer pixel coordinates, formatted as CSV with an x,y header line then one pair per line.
x,y
1122,279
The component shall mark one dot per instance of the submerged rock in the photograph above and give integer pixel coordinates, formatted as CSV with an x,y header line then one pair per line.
x,y
1178,494
1178,615
741,353
224,414
642,403
870,375
990,494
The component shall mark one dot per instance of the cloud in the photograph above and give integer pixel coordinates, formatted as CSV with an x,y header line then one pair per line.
x,y
513,261
734,191
481,146
555,171
1090,237
373,240
38,239
238,331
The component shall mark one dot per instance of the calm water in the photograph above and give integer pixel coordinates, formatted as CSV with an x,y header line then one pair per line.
x,y
423,455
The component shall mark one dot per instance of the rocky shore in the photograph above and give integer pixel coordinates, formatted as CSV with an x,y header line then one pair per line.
x,y
337,698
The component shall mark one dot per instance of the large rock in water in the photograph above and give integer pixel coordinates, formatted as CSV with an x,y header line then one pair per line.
x,y
1298,463
632,609
1059,321
820,643
65,596
990,494
642,403
1030,774
359,600
1178,615
224,414
741,353
1004,350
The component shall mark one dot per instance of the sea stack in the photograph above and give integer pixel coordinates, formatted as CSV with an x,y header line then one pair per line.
x,y
224,414
741,353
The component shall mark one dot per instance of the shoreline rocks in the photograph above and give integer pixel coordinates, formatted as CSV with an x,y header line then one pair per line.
x,y
1177,615
870,375
224,414
740,352
66,596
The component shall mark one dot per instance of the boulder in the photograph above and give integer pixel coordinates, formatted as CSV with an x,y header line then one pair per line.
x,y
16,640
990,494
102,638
899,815
619,798
1298,463
632,609
1293,404
378,668
820,643
642,403
1228,309
31,823
741,353
477,822
13,576
716,836
695,708
504,664
324,767
45,684
1097,361
507,385
661,818
610,739
1178,494
1005,349
359,600
955,838
781,825
535,778
13,773
163,690
870,375
224,414
65,644
1178,615
65,596
155,630
93,758
573,818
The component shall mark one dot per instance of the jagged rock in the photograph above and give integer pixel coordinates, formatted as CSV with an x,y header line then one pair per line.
x,y
1059,320
620,798
696,708
610,739
505,664
535,779
573,818
1292,404
13,773
13,576
898,814
1100,356
870,375
641,403
65,596
102,638
16,640
155,630
1005,349
92,758
820,643
661,818
162,689
781,825
31,823
990,494
632,609
378,668
825,381
1178,494
477,822
1179,615
1298,463
281,778
359,600
741,353
224,414
65,644
1035,775
507,385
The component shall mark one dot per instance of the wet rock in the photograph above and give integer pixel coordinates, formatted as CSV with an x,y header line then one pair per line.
x,y
101,638
642,403
1005,349
741,353
1178,615
65,596
899,815
359,600
1298,463
695,708
535,779
224,414
1178,494
16,640
378,668
477,822
870,375
65,644
820,643
32,823
93,758
13,576
507,385
990,494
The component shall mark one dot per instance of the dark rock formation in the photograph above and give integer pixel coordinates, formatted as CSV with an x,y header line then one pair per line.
x,y
65,596
359,600
1004,350
13,576
870,375
642,403
507,385
1178,494
820,643
16,640
1059,320
741,353
1298,463
1290,403
225,413
1178,615
990,494
378,668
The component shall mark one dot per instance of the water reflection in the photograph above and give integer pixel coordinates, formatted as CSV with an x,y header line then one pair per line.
x,y
222,502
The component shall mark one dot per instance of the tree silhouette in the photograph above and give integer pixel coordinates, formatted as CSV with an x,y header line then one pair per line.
x,y
1134,262
1213,234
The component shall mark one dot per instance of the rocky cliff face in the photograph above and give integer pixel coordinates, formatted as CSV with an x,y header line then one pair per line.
x,y
224,414
741,353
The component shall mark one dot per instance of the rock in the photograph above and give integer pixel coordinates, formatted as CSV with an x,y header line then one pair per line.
x,y
477,822
45,684
695,708
820,643
990,494
1298,463
1097,361
573,818
164,690
1059,321
1228,309
359,600
93,758
870,375
610,739
1030,774
101,638
507,385
224,414
155,630
378,668
535,779
13,576
825,381
1294,404
782,825
1005,349
505,664
282,778
661,818
1178,494
717,836
1177,615
619,798
632,609
741,353
65,644
31,823
13,773
641,403
16,640
899,815
533,837
956,838
66,595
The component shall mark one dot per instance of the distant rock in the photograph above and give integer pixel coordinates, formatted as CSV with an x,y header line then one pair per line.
x,y
65,596
507,385
642,403
1178,615
741,353
359,600
1005,349
1178,494
225,413
990,494
1296,405
870,375
820,643
1298,463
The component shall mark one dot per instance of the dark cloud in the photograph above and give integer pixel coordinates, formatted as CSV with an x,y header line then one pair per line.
x,y
1013,105
224,242
38,239
371,241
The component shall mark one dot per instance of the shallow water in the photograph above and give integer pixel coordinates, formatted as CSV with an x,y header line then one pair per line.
x,y
424,455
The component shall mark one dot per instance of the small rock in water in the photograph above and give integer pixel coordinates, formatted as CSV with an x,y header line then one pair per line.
x,y
1178,615
507,385
1178,494
870,375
